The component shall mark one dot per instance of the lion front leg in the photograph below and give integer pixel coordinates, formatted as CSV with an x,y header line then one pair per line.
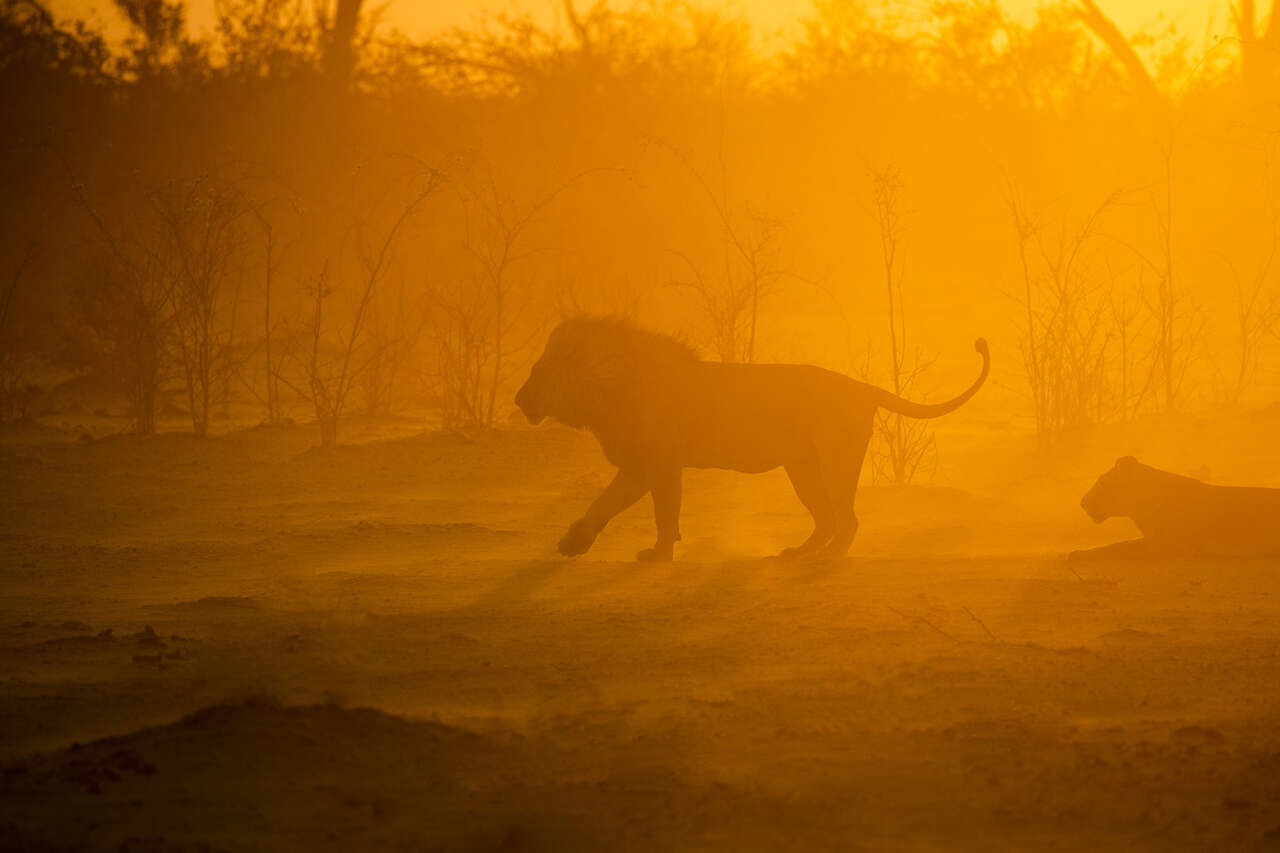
x,y
623,491
1130,549
666,488
579,537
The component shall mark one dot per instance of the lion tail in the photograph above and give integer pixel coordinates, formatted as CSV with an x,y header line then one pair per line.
x,y
897,404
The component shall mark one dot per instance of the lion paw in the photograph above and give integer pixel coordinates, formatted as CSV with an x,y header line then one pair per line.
x,y
577,539
657,554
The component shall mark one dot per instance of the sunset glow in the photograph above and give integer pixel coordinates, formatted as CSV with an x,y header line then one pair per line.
x,y
1196,18
639,427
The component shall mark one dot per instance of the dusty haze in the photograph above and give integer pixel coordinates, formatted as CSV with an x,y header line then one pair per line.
x,y
284,563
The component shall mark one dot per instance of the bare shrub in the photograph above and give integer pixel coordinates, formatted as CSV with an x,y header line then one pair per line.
x,y
271,396
1176,323
1123,312
1256,314
1072,314
127,301
199,219
461,322
16,389
395,327
334,364
128,311
904,445
748,267
476,317
1256,308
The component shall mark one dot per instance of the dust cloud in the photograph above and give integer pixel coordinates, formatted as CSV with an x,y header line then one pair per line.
x,y
288,492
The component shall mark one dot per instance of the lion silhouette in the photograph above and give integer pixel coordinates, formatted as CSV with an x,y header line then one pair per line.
x,y
656,408
1182,516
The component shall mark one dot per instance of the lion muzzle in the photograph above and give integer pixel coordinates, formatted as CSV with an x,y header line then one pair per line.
x,y
524,402
1092,510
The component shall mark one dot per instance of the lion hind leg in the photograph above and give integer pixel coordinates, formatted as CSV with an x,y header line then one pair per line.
x,y
844,468
806,479
840,544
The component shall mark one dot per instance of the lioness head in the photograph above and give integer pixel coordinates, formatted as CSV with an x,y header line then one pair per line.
x,y
1116,491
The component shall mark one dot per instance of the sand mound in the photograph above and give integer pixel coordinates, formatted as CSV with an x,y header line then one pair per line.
x,y
256,774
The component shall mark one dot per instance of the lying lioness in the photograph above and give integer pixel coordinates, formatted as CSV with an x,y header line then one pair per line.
x,y
1182,516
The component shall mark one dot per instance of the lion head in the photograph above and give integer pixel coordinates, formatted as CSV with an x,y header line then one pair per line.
x,y
595,368
1118,491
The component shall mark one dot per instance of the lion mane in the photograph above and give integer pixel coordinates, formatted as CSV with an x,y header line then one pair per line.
x,y
609,376
657,408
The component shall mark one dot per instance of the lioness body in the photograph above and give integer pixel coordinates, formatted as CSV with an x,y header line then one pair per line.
x,y
657,409
1182,516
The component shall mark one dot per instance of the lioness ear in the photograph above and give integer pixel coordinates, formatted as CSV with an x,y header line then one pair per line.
x,y
1126,461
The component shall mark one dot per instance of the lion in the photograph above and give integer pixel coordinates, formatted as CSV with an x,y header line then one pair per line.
x,y
1181,516
656,409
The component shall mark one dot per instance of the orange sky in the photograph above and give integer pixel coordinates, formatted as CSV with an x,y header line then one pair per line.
x,y
420,18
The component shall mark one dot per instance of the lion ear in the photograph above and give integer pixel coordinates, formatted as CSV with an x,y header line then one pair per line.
x,y
1126,461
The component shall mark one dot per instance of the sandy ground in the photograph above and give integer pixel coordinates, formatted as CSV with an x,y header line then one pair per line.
x,y
247,643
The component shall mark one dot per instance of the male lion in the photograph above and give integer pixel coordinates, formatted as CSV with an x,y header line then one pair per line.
x,y
656,409
1181,516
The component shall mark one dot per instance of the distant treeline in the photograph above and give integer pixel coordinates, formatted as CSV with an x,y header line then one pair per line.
x,y
311,214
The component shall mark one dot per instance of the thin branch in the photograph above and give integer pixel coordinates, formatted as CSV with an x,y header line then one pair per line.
x,y
912,616
981,623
